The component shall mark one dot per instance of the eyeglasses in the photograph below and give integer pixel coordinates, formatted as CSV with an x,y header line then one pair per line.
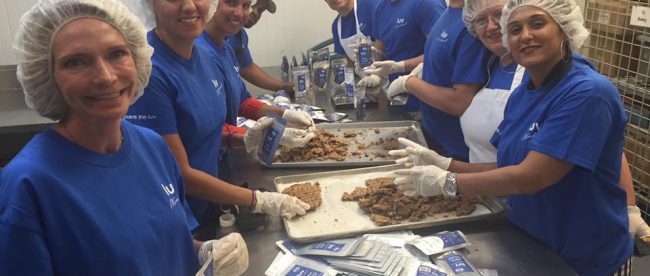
x,y
482,21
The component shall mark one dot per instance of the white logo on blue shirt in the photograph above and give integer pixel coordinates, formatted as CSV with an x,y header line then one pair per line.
x,y
217,86
171,193
443,36
236,68
532,130
401,22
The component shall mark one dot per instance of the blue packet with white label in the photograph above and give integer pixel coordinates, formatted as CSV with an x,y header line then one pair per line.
x,y
340,247
455,263
425,269
321,74
364,52
438,243
271,139
291,265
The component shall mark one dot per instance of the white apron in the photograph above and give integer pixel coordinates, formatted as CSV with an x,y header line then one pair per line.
x,y
482,118
346,42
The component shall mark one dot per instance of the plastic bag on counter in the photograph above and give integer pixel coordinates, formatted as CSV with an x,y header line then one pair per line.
x,y
291,265
439,243
301,83
455,263
321,71
364,52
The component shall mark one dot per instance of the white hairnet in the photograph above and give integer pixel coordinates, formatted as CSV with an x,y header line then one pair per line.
x,y
144,9
473,8
35,35
565,12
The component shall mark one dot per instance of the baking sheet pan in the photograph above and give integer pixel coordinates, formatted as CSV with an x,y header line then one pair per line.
x,y
367,132
336,218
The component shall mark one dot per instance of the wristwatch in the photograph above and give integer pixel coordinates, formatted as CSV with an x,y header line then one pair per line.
x,y
450,188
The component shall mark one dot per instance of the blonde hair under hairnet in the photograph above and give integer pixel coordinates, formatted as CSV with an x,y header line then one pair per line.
x,y
473,8
565,12
35,36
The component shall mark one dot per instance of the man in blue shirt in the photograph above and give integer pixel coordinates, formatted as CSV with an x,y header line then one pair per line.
x,y
354,21
400,29
247,68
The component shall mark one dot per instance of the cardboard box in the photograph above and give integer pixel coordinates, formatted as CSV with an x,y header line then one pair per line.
x,y
612,56
608,16
637,151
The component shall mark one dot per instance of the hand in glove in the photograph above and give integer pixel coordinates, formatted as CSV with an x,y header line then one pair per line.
x,y
398,86
638,227
254,134
297,118
385,68
279,204
421,180
293,137
225,256
370,81
417,155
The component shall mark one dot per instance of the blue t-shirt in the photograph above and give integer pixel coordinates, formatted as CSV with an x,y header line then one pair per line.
x,y
403,26
186,97
236,88
366,9
580,120
452,56
66,210
239,43
502,77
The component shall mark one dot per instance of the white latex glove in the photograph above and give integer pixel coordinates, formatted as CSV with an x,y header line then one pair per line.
x,y
253,135
421,180
370,81
385,68
417,71
638,227
297,118
398,86
416,155
272,203
293,137
225,256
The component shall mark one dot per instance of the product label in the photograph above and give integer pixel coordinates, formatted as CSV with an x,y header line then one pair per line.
x,y
450,239
272,137
365,55
302,86
328,246
299,270
458,264
321,77
429,271
339,74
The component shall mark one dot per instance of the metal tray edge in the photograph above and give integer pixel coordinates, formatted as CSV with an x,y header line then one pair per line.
x,y
495,206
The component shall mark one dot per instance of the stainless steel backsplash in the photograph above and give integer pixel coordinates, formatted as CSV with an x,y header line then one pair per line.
x,y
8,81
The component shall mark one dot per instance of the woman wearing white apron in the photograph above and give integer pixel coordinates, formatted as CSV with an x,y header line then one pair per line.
x,y
484,114
343,24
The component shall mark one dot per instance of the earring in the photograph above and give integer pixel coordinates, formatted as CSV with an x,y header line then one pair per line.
x,y
566,56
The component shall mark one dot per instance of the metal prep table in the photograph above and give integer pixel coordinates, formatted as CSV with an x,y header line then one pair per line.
x,y
496,244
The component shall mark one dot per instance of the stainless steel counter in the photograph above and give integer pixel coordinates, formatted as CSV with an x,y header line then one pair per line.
x,y
496,244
